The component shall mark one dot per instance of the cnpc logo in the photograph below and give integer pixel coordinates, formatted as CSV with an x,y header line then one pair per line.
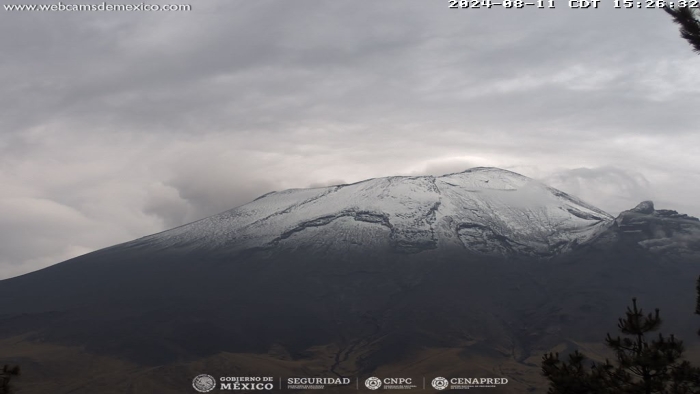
x,y
375,383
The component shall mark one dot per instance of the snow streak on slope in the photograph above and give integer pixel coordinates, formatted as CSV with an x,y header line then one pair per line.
x,y
485,210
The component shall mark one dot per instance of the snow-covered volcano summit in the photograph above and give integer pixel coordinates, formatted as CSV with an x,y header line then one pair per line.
x,y
485,210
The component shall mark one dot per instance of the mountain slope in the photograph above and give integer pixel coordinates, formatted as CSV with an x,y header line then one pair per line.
x,y
486,210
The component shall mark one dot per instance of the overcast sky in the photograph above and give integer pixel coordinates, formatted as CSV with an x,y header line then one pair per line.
x,y
115,125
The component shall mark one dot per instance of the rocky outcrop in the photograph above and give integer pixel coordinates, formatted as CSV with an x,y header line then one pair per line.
x,y
644,207
660,230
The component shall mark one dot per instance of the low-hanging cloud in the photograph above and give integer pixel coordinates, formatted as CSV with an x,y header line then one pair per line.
x,y
610,188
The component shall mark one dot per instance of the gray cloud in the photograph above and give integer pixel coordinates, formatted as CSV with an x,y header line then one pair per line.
x,y
117,125
612,189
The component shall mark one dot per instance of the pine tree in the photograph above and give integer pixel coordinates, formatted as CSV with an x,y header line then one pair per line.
x,y
643,364
689,20
697,299
6,376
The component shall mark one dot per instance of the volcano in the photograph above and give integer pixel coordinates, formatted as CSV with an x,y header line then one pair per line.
x,y
470,274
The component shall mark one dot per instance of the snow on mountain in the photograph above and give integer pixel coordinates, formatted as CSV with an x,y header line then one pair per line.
x,y
485,210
